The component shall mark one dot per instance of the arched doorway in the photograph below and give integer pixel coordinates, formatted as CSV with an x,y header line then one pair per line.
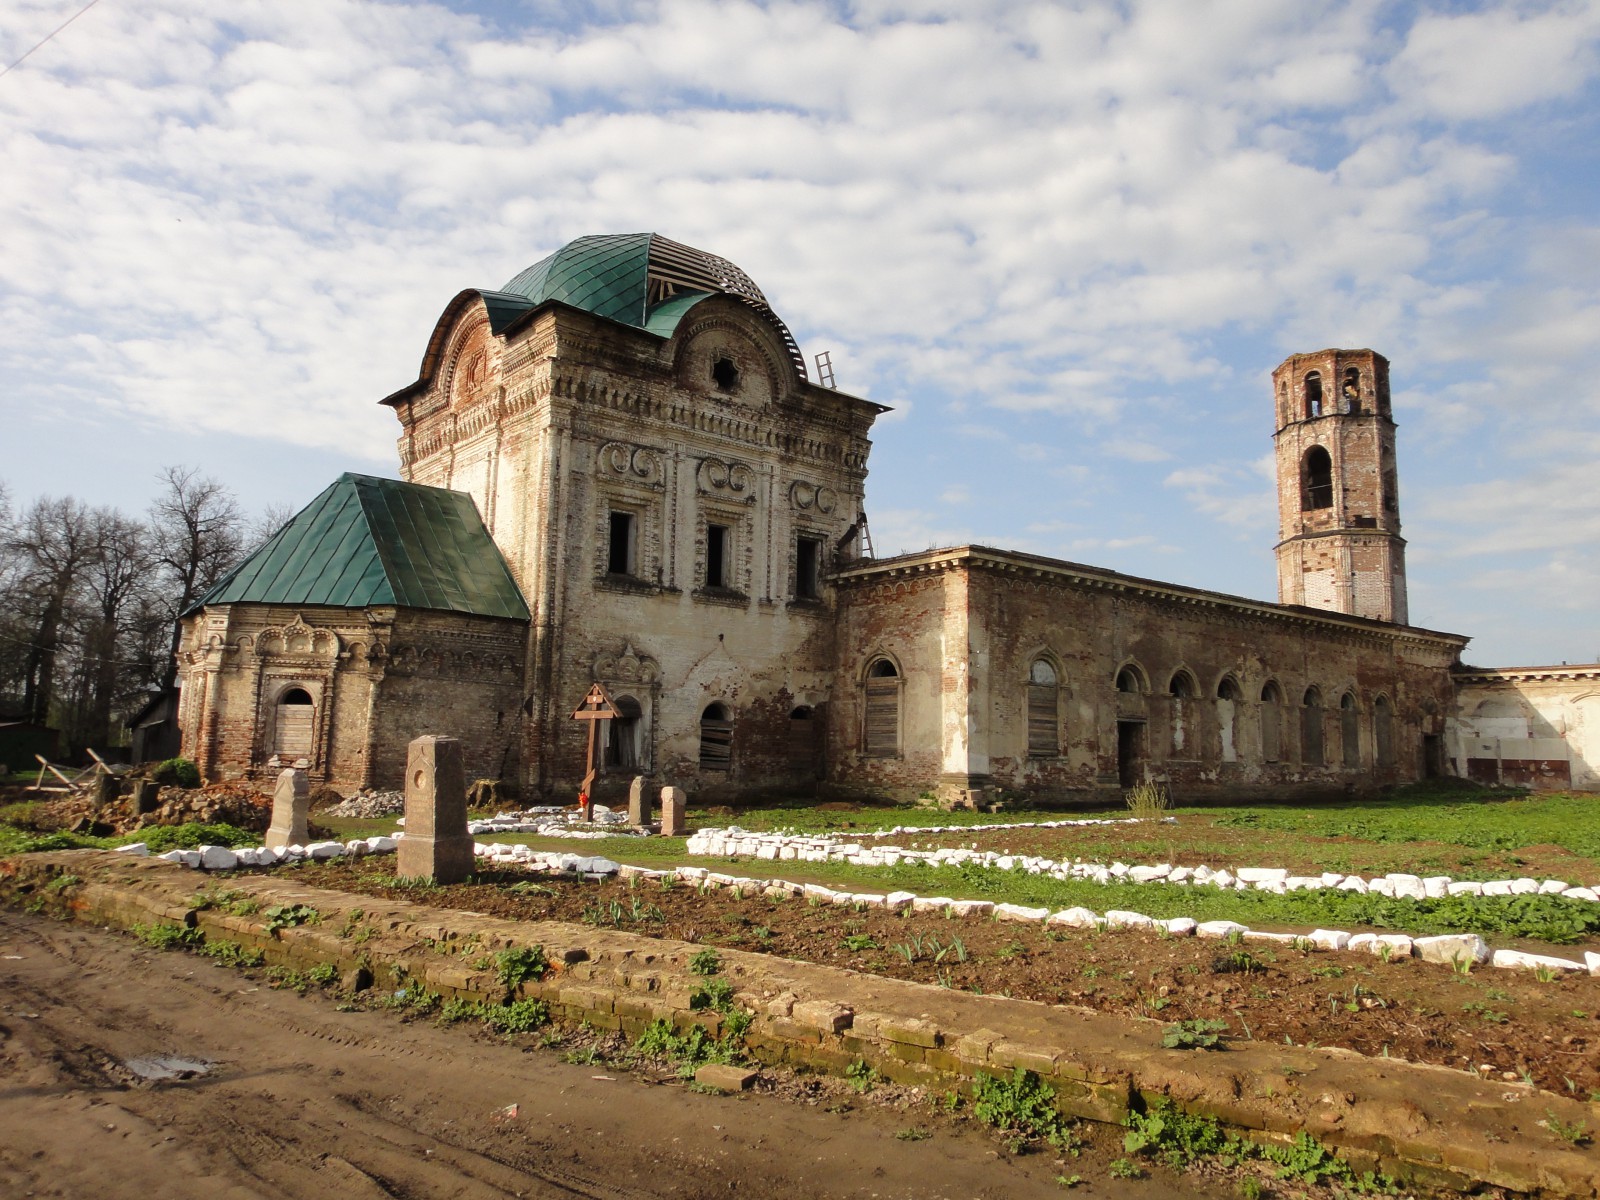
x,y
293,725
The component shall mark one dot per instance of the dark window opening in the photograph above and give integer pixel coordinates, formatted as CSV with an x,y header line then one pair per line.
x,y
1044,716
1182,686
1383,732
1349,731
1311,751
622,739
294,725
1229,690
1271,724
1350,391
804,742
1313,395
716,738
725,375
717,540
1128,680
619,556
807,568
1316,479
1130,753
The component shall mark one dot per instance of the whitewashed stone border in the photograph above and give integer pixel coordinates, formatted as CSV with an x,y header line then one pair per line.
x,y
1450,948
734,841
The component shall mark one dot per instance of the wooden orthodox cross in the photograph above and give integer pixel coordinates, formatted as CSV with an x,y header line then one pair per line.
x,y
596,707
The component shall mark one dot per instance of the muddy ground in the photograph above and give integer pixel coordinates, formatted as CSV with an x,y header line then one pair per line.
x,y
1502,1024
283,1096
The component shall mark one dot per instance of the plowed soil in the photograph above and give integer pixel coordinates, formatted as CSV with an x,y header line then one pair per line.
x,y
1500,1024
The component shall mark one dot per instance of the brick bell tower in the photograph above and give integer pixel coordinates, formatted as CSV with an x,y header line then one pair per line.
x,y
1339,544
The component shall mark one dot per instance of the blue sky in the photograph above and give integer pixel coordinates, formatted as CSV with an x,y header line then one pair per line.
x,y
1068,243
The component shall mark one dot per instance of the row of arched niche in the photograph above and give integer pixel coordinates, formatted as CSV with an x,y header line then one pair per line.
x,y
881,724
1314,402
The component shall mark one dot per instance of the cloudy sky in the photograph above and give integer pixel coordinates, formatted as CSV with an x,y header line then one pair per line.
x,y
1067,242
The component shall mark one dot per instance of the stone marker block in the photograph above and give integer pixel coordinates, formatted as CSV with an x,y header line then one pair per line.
x,y
290,801
674,812
107,788
725,1078
638,802
436,845
146,796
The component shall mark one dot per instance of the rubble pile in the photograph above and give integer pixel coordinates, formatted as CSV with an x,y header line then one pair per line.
x,y
369,804
218,804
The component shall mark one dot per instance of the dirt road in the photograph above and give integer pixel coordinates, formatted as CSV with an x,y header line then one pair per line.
x,y
297,1099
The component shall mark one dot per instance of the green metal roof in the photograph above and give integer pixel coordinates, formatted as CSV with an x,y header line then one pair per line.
x,y
369,541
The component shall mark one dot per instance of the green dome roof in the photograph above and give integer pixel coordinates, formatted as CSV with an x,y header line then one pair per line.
x,y
638,279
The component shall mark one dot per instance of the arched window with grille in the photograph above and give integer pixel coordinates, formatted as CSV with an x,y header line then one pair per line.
x,y
716,738
1044,710
881,721
1316,479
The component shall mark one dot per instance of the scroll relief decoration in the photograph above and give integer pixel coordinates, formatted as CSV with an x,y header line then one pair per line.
x,y
638,464
731,478
297,640
809,495
628,666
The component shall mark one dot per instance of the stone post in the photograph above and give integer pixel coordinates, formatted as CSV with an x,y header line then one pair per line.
x,y
290,800
674,811
146,796
638,802
437,845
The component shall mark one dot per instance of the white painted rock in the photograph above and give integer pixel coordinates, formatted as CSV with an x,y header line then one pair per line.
x,y
1497,887
1552,887
896,901
1180,926
1261,935
1352,883
1592,961
325,850
1147,874
1382,885
1260,875
926,904
1582,893
1531,962
1524,886
1329,939
1451,948
1019,912
815,891
1303,883
1407,886
1218,929
972,908
1075,918
137,849
218,858
1119,919
1469,888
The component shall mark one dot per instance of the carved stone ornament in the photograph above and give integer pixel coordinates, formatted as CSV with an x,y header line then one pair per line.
x,y
628,666
637,463
298,640
808,495
733,478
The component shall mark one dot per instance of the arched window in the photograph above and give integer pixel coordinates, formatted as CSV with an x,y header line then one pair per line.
x,y
1311,752
1181,689
1271,723
1383,731
622,739
881,735
1350,730
1350,391
716,738
1182,685
1129,679
1313,395
1228,698
1316,479
293,728
1044,710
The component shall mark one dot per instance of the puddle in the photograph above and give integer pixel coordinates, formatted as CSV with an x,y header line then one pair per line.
x,y
161,1067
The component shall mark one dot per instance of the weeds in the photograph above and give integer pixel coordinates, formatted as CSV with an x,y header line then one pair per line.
x,y
1148,801
518,1016
861,1076
1575,1133
512,967
1198,1034
1024,1107
706,962
287,916
166,936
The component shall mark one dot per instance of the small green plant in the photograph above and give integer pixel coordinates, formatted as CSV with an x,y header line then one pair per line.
x,y
1250,1188
177,772
456,1010
1197,1034
1545,974
288,978
1177,1138
1485,1013
232,954
860,941
1148,801
1023,1106
61,883
512,967
1124,1168
519,1016
714,994
913,1133
287,916
323,974
691,1049
1574,1132
585,1056
1068,1181
166,936
706,962
861,1076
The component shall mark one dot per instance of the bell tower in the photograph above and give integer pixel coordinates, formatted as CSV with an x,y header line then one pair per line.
x,y
1339,544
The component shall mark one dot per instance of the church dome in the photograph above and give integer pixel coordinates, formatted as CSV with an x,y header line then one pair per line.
x,y
640,279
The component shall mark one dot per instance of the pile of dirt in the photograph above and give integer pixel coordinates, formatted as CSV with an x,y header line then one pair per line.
x,y
231,803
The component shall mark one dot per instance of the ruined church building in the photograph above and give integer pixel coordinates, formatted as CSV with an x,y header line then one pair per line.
x,y
616,468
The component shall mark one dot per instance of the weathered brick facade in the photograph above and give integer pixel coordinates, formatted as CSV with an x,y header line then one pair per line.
x,y
1536,727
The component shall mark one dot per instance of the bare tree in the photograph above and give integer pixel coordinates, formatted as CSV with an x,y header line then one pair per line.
x,y
114,585
197,535
53,542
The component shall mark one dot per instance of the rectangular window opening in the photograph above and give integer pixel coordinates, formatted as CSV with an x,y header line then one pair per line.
x,y
808,568
619,558
718,538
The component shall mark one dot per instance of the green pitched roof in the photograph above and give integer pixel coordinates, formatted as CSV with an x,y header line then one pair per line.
x,y
369,541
